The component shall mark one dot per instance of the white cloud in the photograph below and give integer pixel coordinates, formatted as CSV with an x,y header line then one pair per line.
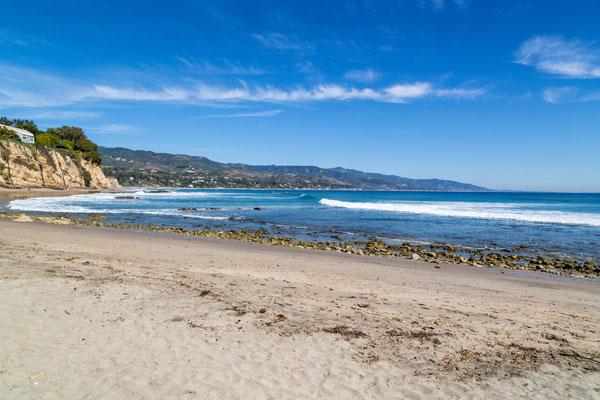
x,y
558,56
278,41
267,113
32,89
362,75
112,93
398,93
403,92
461,93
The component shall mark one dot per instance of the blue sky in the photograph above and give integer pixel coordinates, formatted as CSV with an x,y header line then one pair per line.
x,y
504,94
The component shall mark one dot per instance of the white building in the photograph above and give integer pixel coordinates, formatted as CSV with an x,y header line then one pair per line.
x,y
25,136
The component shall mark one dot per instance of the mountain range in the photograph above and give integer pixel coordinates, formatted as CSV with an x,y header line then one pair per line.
x,y
147,168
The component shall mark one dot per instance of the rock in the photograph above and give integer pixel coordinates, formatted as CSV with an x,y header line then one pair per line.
x,y
55,220
415,256
23,218
157,191
589,265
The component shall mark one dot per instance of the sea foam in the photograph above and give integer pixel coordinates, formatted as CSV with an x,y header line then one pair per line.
x,y
479,210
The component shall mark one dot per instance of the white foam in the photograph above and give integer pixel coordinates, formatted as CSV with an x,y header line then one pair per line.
x,y
497,211
96,203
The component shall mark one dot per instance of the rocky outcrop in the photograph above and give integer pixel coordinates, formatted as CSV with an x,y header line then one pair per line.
x,y
29,166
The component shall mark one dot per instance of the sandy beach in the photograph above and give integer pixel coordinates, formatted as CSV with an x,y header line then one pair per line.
x,y
97,313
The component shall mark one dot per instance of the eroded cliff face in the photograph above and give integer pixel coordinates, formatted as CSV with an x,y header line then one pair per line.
x,y
27,166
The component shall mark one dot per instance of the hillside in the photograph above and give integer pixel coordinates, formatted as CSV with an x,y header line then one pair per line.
x,y
147,168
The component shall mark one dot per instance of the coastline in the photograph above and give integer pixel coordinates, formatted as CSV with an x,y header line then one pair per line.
x,y
9,194
159,315
432,252
508,260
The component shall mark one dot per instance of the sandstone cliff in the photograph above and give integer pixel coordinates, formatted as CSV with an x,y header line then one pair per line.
x,y
28,166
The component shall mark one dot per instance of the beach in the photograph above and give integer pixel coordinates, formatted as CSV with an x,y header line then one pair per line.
x,y
92,312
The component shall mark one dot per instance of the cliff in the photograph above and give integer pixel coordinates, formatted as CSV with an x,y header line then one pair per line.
x,y
27,166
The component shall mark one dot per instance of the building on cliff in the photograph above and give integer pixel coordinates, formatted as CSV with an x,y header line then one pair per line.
x,y
25,136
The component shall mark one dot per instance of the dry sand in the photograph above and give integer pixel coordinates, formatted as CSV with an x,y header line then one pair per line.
x,y
93,313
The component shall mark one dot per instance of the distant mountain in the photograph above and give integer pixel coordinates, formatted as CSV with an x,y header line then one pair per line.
x,y
147,168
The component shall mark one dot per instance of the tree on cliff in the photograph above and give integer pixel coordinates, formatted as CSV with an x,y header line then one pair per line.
x,y
69,138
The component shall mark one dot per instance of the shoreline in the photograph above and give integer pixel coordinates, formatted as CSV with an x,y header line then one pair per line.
x,y
506,259
160,315
9,194
431,253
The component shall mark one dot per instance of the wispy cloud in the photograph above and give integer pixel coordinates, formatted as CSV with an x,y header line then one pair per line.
x,y
558,56
278,41
399,93
8,38
555,95
569,94
224,68
62,115
27,88
441,4
116,129
362,75
267,113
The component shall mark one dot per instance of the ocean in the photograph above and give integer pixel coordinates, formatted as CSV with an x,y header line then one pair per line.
x,y
553,224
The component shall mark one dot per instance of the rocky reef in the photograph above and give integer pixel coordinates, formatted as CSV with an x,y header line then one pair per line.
x,y
31,166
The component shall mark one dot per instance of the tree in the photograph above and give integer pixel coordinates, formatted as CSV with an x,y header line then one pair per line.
x,y
72,133
26,124
5,121
86,145
46,139
6,133
93,156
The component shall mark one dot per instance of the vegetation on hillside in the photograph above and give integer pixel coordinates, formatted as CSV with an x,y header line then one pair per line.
x,y
70,139
146,168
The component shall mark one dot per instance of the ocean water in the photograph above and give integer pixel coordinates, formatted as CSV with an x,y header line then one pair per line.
x,y
562,225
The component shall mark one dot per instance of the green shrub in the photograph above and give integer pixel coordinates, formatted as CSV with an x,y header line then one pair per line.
x,y
87,178
6,133
46,139
71,133
86,145
69,138
93,157
65,144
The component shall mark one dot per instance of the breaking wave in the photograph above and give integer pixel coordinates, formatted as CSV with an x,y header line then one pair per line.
x,y
496,211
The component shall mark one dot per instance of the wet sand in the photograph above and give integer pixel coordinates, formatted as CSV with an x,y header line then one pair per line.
x,y
89,312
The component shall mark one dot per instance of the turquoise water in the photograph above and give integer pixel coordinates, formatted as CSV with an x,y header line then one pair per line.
x,y
546,223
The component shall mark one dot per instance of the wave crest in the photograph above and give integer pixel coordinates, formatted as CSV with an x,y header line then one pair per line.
x,y
500,211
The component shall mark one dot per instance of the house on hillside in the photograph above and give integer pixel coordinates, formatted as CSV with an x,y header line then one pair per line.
x,y
25,136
